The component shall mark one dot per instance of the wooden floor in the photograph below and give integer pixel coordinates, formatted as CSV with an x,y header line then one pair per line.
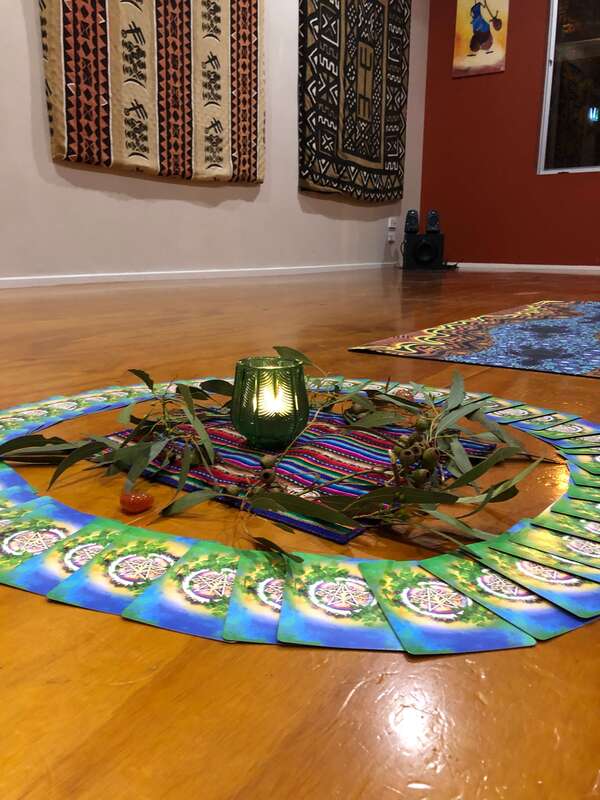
x,y
95,707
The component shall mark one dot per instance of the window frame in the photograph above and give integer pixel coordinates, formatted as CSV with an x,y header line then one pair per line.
x,y
541,168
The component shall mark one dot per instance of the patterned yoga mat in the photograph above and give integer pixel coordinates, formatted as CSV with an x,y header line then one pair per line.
x,y
173,88
549,336
353,90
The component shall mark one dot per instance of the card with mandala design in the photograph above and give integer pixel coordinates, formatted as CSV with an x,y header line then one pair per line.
x,y
577,444
574,594
43,572
16,495
256,599
582,509
523,413
327,603
494,404
115,396
574,429
511,601
193,596
31,528
584,551
589,464
430,617
589,493
505,544
16,424
582,477
563,523
10,479
121,571
551,420
36,416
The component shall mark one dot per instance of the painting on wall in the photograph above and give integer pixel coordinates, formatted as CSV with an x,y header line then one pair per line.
x,y
480,37
170,88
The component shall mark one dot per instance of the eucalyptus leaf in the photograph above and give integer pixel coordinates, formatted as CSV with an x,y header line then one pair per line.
x,y
298,505
419,496
449,418
217,386
293,355
500,431
202,434
407,405
480,469
143,376
22,442
80,454
457,392
267,544
143,460
184,470
466,530
378,419
459,454
188,501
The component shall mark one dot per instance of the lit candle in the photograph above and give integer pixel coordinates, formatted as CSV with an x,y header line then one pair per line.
x,y
270,402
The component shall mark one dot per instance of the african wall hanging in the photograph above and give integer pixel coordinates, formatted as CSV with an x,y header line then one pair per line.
x,y
172,88
353,89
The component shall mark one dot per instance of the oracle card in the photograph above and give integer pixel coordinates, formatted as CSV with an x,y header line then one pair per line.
x,y
584,551
121,571
256,599
578,443
582,509
582,477
43,572
509,600
192,596
590,464
522,413
16,495
33,527
570,430
587,529
506,545
10,479
493,404
539,425
430,617
327,603
589,493
574,594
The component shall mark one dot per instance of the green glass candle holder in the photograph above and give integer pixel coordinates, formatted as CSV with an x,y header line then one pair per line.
x,y
270,402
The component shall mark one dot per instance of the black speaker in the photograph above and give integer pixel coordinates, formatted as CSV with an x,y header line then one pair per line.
x,y
424,251
433,222
412,221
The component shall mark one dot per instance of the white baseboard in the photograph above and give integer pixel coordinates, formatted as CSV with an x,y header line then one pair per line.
x,y
22,281
565,269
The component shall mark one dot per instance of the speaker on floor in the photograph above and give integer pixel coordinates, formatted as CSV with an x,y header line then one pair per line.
x,y
424,250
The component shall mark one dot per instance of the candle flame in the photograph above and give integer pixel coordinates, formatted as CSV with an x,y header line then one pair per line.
x,y
272,401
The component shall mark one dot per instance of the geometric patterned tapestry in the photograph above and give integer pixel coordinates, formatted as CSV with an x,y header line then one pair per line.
x,y
353,89
173,88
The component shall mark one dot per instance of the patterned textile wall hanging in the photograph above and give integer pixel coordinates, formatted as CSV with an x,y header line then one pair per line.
x,y
353,91
173,88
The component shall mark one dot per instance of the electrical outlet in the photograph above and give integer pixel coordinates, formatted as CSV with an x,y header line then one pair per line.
x,y
391,237
392,223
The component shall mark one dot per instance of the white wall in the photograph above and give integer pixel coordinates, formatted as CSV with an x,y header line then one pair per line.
x,y
62,220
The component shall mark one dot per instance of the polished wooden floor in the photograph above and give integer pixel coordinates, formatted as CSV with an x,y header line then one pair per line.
x,y
94,707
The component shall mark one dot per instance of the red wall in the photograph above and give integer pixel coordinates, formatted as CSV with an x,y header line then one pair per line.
x,y
480,155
